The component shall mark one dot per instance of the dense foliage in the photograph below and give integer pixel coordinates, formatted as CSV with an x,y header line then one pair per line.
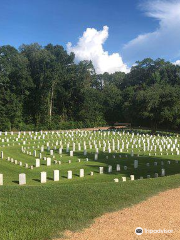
x,y
43,88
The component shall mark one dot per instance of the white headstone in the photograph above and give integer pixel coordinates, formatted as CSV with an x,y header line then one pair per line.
x,y
34,153
56,175
37,162
163,172
101,170
116,180
43,177
132,177
48,161
109,169
22,178
81,173
69,174
1,179
96,156
118,168
124,179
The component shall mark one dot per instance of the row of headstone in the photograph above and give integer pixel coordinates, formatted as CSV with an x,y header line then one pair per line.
x,y
124,179
118,168
22,176
133,141
56,175
148,176
43,178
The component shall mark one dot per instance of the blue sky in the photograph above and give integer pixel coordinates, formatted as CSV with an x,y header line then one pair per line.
x,y
63,21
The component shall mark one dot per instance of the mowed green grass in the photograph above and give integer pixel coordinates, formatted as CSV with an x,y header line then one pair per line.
x,y
44,211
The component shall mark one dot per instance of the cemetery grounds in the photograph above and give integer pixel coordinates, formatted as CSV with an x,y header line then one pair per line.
x,y
38,210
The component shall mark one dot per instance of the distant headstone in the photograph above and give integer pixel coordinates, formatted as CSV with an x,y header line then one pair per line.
x,y
135,163
109,169
124,179
132,177
116,180
96,156
163,172
48,161
101,170
156,175
118,168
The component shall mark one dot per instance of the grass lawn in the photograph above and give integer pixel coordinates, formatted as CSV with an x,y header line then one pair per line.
x,y
44,211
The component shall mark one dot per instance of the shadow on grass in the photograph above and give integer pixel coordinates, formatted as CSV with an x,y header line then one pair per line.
x,y
37,180
64,177
75,174
49,178
17,182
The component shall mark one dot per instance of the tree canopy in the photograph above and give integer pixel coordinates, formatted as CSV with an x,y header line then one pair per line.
x,y
43,88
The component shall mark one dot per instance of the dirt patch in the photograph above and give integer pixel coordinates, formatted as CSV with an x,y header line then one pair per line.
x,y
158,212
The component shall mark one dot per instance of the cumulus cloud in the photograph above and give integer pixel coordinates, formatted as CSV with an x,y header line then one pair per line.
x,y
177,62
90,47
164,42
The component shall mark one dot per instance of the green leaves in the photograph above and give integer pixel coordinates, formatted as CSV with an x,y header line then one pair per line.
x,y
43,88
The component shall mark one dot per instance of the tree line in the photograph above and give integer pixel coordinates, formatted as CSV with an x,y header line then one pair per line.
x,y
43,88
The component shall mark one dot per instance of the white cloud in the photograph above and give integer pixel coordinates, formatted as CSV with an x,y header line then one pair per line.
x,y
90,47
177,62
164,42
